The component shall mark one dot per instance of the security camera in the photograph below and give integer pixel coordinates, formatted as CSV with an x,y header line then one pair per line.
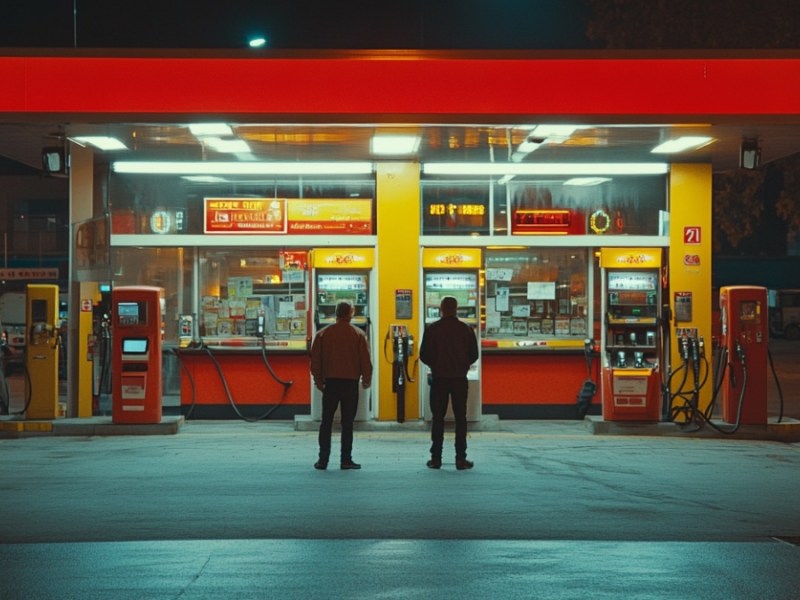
x,y
534,139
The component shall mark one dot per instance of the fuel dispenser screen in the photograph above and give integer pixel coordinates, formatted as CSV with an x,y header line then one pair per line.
x,y
134,346
748,311
38,310
132,313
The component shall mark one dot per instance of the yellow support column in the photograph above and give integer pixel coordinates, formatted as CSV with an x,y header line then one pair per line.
x,y
41,352
398,193
690,256
89,294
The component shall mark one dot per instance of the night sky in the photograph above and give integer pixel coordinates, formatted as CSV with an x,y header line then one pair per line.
x,y
296,24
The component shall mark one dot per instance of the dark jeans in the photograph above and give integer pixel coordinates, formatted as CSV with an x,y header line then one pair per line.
x,y
454,389
337,392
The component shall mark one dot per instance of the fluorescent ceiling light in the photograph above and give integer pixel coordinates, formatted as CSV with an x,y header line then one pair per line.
x,y
232,146
505,179
586,181
681,144
103,142
553,134
242,168
204,129
204,178
394,144
257,42
466,168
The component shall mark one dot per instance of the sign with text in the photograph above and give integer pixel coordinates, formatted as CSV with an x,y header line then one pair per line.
x,y
330,216
244,215
32,273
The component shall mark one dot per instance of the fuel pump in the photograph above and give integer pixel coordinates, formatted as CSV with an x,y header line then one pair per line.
x,y
402,349
41,357
743,310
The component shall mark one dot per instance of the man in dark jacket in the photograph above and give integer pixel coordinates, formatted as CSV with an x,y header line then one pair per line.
x,y
339,358
449,347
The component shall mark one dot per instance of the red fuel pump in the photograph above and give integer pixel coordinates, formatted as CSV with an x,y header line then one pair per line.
x,y
745,337
136,360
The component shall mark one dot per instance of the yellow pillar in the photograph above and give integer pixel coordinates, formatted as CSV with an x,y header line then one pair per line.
x,y
690,256
41,353
89,295
398,193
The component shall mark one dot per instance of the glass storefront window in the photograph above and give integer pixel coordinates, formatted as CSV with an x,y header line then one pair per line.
x,y
168,268
534,296
455,208
249,293
170,204
624,205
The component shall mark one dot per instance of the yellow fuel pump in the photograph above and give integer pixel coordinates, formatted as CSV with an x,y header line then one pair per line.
x,y
41,355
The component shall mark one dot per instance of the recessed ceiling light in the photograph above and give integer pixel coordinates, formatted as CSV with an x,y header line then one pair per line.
x,y
394,144
681,144
204,178
587,169
232,146
242,168
205,129
103,142
586,181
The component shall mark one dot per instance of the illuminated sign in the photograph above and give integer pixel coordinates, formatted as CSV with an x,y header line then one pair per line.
x,y
242,216
542,222
32,273
451,210
330,216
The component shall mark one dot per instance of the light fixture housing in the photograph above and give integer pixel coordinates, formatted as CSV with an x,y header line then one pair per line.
x,y
682,144
229,146
241,168
394,144
586,181
213,129
750,154
585,169
101,142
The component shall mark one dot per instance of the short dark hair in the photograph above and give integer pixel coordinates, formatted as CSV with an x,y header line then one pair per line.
x,y
449,306
344,310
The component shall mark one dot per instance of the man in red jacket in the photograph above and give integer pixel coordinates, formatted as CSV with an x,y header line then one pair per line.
x,y
449,347
339,358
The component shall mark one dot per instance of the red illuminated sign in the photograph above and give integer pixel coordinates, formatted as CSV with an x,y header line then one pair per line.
x,y
242,216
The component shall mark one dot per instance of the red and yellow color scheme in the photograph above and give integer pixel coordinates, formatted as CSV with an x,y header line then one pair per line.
x,y
343,258
451,258
240,216
632,280
136,354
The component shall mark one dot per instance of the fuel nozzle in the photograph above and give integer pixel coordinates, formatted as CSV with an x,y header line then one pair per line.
x,y
702,346
740,352
685,348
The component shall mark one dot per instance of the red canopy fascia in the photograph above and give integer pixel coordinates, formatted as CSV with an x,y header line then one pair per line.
x,y
386,87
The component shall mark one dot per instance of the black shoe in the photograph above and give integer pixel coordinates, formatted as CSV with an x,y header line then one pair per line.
x,y
321,465
463,463
434,463
347,465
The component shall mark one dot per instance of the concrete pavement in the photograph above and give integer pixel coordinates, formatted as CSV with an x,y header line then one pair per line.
x,y
235,509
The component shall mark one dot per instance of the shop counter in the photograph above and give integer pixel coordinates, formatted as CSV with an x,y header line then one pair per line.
x,y
234,380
